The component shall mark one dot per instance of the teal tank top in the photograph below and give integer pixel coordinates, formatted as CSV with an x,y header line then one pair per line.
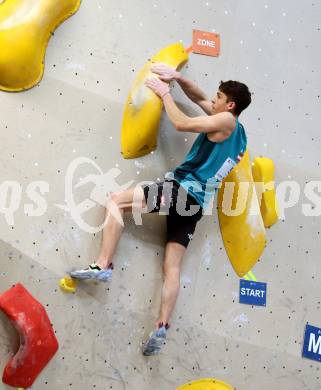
x,y
208,162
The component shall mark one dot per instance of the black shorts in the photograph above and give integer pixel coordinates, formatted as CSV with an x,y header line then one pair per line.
x,y
181,209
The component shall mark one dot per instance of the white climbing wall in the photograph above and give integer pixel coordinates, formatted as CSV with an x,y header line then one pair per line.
x,y
76,111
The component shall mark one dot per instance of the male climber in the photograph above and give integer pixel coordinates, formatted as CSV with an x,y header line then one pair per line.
x,y
186,192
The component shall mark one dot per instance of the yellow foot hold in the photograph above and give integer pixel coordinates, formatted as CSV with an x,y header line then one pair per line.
x,y
68,285
143,108
206,384
25,29
263,174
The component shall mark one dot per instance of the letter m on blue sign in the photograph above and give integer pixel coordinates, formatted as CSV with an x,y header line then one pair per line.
x,y
312,343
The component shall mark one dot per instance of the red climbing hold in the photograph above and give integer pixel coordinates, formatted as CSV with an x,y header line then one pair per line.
x,y
38,343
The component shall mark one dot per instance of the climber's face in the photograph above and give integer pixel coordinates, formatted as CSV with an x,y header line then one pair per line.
x,y
221,103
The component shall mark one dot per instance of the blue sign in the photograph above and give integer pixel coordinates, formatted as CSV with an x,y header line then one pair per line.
x,y
312,343
252,293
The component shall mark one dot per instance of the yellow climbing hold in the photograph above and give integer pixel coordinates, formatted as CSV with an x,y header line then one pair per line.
x,y
25,29
263,175
240,219
206,384
143,108
68,285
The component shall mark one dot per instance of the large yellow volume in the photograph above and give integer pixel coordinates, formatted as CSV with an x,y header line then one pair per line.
x,y
143,108
25,29
240,219
263,175
206,384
